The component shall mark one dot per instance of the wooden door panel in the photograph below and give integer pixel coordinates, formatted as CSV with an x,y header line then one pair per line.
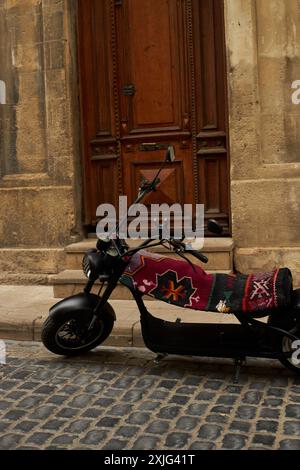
x,y
152,60
175,186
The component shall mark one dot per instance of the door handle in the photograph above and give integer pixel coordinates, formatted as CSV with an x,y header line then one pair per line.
x,y
129,90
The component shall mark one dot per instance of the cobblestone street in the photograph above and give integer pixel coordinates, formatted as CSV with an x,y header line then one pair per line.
x,y
119,399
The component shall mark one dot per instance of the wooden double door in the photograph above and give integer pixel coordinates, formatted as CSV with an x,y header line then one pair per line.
x,y
153,72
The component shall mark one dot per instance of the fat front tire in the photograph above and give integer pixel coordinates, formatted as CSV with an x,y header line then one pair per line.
x,y
66,333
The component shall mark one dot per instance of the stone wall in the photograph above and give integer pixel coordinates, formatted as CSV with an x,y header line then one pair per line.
x,y
40,188
263,42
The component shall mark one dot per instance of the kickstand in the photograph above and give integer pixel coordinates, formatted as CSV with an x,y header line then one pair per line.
x,y
160,357
239,362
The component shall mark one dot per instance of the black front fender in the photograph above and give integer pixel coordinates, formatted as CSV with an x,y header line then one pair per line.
x,y
80,302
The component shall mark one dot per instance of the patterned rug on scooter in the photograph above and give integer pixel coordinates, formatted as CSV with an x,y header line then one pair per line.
x,y
177,283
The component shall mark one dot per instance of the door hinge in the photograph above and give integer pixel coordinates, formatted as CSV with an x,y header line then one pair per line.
x,y
128,90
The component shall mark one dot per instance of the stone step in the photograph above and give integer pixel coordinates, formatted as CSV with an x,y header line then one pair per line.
x,y
71,282
218,250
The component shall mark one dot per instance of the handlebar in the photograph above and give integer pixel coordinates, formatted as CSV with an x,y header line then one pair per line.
x,y
198,255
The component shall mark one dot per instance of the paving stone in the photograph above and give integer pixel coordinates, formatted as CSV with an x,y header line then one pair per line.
x,y
64,439
234,442
268,426
81,401
246,412
193,380
269,413
68,412
9,441
257,385
209,431
292,428
197,445
45,389
127,431
108,422
221,409
89,413
54,424
94,438
30,402
236,389
292,411
242,426
276,392
187,390
145,443
158,427
145,382
57,399
4,404
138,418
132,396
123,382
217,418
115,444
295,398
78,426
95,387
196,409
290,444
205,396
120,410
180,399
159,395
177,440
169,412
252,398
7,384
26,426
29,385
42,412
187,423
39,438
168,384
273,402
105,402
149,405
14,415
213,385
227,399
15,395
266,440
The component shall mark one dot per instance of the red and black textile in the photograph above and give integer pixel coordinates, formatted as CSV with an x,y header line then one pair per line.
x,y
177,283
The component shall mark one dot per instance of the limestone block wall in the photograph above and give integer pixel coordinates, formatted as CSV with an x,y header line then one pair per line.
x,y
40,185
263,44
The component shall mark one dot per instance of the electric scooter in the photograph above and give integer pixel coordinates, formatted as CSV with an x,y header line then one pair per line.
x,y
82,322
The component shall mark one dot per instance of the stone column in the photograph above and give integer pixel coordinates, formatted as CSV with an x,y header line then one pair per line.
x,y
263,41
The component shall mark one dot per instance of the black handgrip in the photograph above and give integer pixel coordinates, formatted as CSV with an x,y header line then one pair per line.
x,y
198,255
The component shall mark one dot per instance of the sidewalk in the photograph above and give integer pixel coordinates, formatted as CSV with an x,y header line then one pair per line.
x,y
23,310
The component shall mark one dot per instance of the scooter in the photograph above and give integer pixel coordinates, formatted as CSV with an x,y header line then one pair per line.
x,y
82,322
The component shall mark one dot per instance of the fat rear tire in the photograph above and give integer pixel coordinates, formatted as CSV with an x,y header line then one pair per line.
x,y
55,324
285,345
